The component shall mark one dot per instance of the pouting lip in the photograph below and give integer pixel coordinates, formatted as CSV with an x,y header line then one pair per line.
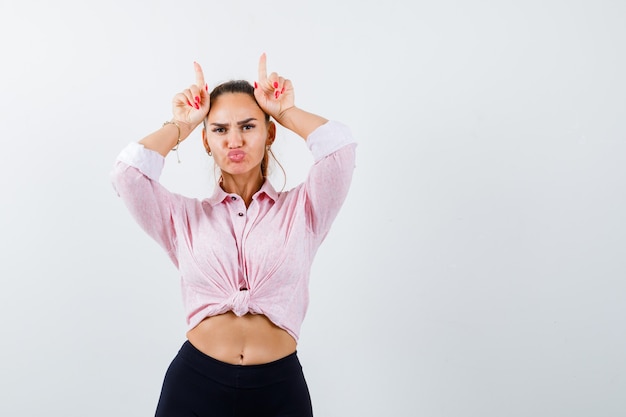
x,y
236,153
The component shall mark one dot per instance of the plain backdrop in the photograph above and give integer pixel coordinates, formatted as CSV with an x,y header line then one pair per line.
x,y
477,268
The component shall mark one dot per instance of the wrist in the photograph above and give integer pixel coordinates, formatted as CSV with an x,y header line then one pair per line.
x,y
285,117
300,121
185,128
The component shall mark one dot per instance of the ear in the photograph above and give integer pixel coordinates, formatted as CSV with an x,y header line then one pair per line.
x,y
205,140
271,133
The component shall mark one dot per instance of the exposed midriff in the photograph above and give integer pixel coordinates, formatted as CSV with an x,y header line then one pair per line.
x,y
247,340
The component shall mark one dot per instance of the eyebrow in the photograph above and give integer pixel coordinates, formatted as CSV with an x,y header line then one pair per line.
x,y
243,122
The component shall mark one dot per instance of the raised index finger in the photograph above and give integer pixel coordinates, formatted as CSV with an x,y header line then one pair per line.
x,y
262,68
199,75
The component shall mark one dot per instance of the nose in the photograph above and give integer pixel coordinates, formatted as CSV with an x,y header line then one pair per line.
x,y
235,140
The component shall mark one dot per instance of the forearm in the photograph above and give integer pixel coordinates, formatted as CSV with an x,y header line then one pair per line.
x,y
300,121
166,138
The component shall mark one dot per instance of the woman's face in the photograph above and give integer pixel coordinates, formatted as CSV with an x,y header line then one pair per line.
x,y
237,134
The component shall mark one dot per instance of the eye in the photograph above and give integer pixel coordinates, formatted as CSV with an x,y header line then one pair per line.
x,y
219,130
247,127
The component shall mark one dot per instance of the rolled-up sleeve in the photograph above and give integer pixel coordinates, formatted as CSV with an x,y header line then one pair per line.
x,y
328,182
135,178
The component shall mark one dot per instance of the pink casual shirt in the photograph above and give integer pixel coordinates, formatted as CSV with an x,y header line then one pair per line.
x,y
255,260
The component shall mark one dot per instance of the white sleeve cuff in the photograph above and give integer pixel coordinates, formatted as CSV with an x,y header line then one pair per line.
x,y
149,162
328,138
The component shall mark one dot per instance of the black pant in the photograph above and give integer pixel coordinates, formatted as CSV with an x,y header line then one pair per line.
x,y
198,385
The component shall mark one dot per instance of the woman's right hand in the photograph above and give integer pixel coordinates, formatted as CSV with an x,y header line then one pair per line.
x,y
191,106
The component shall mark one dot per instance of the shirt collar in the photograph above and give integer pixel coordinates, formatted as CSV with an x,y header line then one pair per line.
x,y
219,195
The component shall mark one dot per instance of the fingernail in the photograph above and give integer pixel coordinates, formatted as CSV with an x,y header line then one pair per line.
x,y
276,94
196,106
256,85
206,87
189,102
282,91
275,84
197,98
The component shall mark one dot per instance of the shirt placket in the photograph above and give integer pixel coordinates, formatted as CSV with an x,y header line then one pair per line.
x,y
238,214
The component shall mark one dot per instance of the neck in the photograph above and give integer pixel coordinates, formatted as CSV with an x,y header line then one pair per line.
x,y
245,186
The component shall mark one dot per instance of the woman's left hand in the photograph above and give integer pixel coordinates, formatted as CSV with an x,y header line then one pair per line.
x,y
273,93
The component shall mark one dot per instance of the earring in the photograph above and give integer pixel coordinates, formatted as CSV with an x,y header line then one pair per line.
x,y
209,152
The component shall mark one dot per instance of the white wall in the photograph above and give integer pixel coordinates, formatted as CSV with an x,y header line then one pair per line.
x,y
477,268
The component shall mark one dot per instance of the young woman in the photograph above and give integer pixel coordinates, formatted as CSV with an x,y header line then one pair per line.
x,y
245,253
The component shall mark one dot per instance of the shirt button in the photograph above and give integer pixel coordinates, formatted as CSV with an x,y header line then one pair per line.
x,y
240,214
233,198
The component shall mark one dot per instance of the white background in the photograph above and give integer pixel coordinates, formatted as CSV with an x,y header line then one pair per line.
x,y
478,265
